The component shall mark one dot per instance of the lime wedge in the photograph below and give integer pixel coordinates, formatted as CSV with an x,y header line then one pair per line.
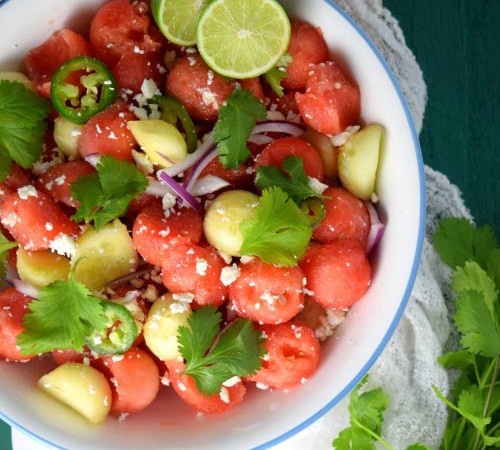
x,y
243,38
177,19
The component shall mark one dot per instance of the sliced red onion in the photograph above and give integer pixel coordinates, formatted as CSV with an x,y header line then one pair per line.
x,y
260,139
279,126
180,190
376,229
192,159
207,185
93,159
25,288
198,168
158,189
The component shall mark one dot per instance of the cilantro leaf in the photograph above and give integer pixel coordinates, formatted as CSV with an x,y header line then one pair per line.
x,y
470,406
366,419
478,324
5,246
22,126
64,314
296,184
237,118
456,360
472,277
274,76
213,358
105,195
279,233
493,266
458,241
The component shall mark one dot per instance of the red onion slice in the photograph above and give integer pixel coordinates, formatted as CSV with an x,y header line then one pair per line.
x,y
376,229
207,185
25,288
279,126
192,158
179,190
198,168
158,189
260,139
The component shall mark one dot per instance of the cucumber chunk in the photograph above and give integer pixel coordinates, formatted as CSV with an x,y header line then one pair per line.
x,y
82,388
104,255
358,161
42,267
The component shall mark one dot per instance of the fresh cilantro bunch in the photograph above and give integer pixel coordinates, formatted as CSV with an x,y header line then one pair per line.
x,y
213,357
366,418
474,419
22,126
237,118
474,256
105,195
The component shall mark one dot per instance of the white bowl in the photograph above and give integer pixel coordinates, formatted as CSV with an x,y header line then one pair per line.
x,y
264,418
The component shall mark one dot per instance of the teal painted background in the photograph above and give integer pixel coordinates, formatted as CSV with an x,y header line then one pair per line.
x,y
457,44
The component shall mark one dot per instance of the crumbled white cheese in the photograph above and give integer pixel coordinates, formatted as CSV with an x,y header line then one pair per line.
x,y
149,88
208,98
229,274
328,322
168,202
341,138
60,180
27,191
185,297
316,185
224,394
202,266
63,245
246,259
10,220
231,381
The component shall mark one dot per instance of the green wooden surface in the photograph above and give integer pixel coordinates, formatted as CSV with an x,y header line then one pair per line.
x,y
457,44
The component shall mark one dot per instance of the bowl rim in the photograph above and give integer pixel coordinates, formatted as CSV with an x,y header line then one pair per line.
x,y
409,286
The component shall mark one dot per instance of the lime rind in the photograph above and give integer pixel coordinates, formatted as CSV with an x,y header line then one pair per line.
x,y
177,19
243,38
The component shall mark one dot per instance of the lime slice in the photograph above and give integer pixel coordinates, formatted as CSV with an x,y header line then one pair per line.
x,y
177,19
243,38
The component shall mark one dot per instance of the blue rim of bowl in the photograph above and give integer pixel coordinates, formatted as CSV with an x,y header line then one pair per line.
x,y
407,292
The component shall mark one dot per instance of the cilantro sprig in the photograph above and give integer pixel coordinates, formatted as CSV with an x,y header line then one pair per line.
x,y
213,357
23,125
473,254
279,233
274,76
237,118
366,419
292,179
62,317
5,246
105,195
474,405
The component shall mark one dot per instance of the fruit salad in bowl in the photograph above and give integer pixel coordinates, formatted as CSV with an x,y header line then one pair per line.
x,y
211,214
